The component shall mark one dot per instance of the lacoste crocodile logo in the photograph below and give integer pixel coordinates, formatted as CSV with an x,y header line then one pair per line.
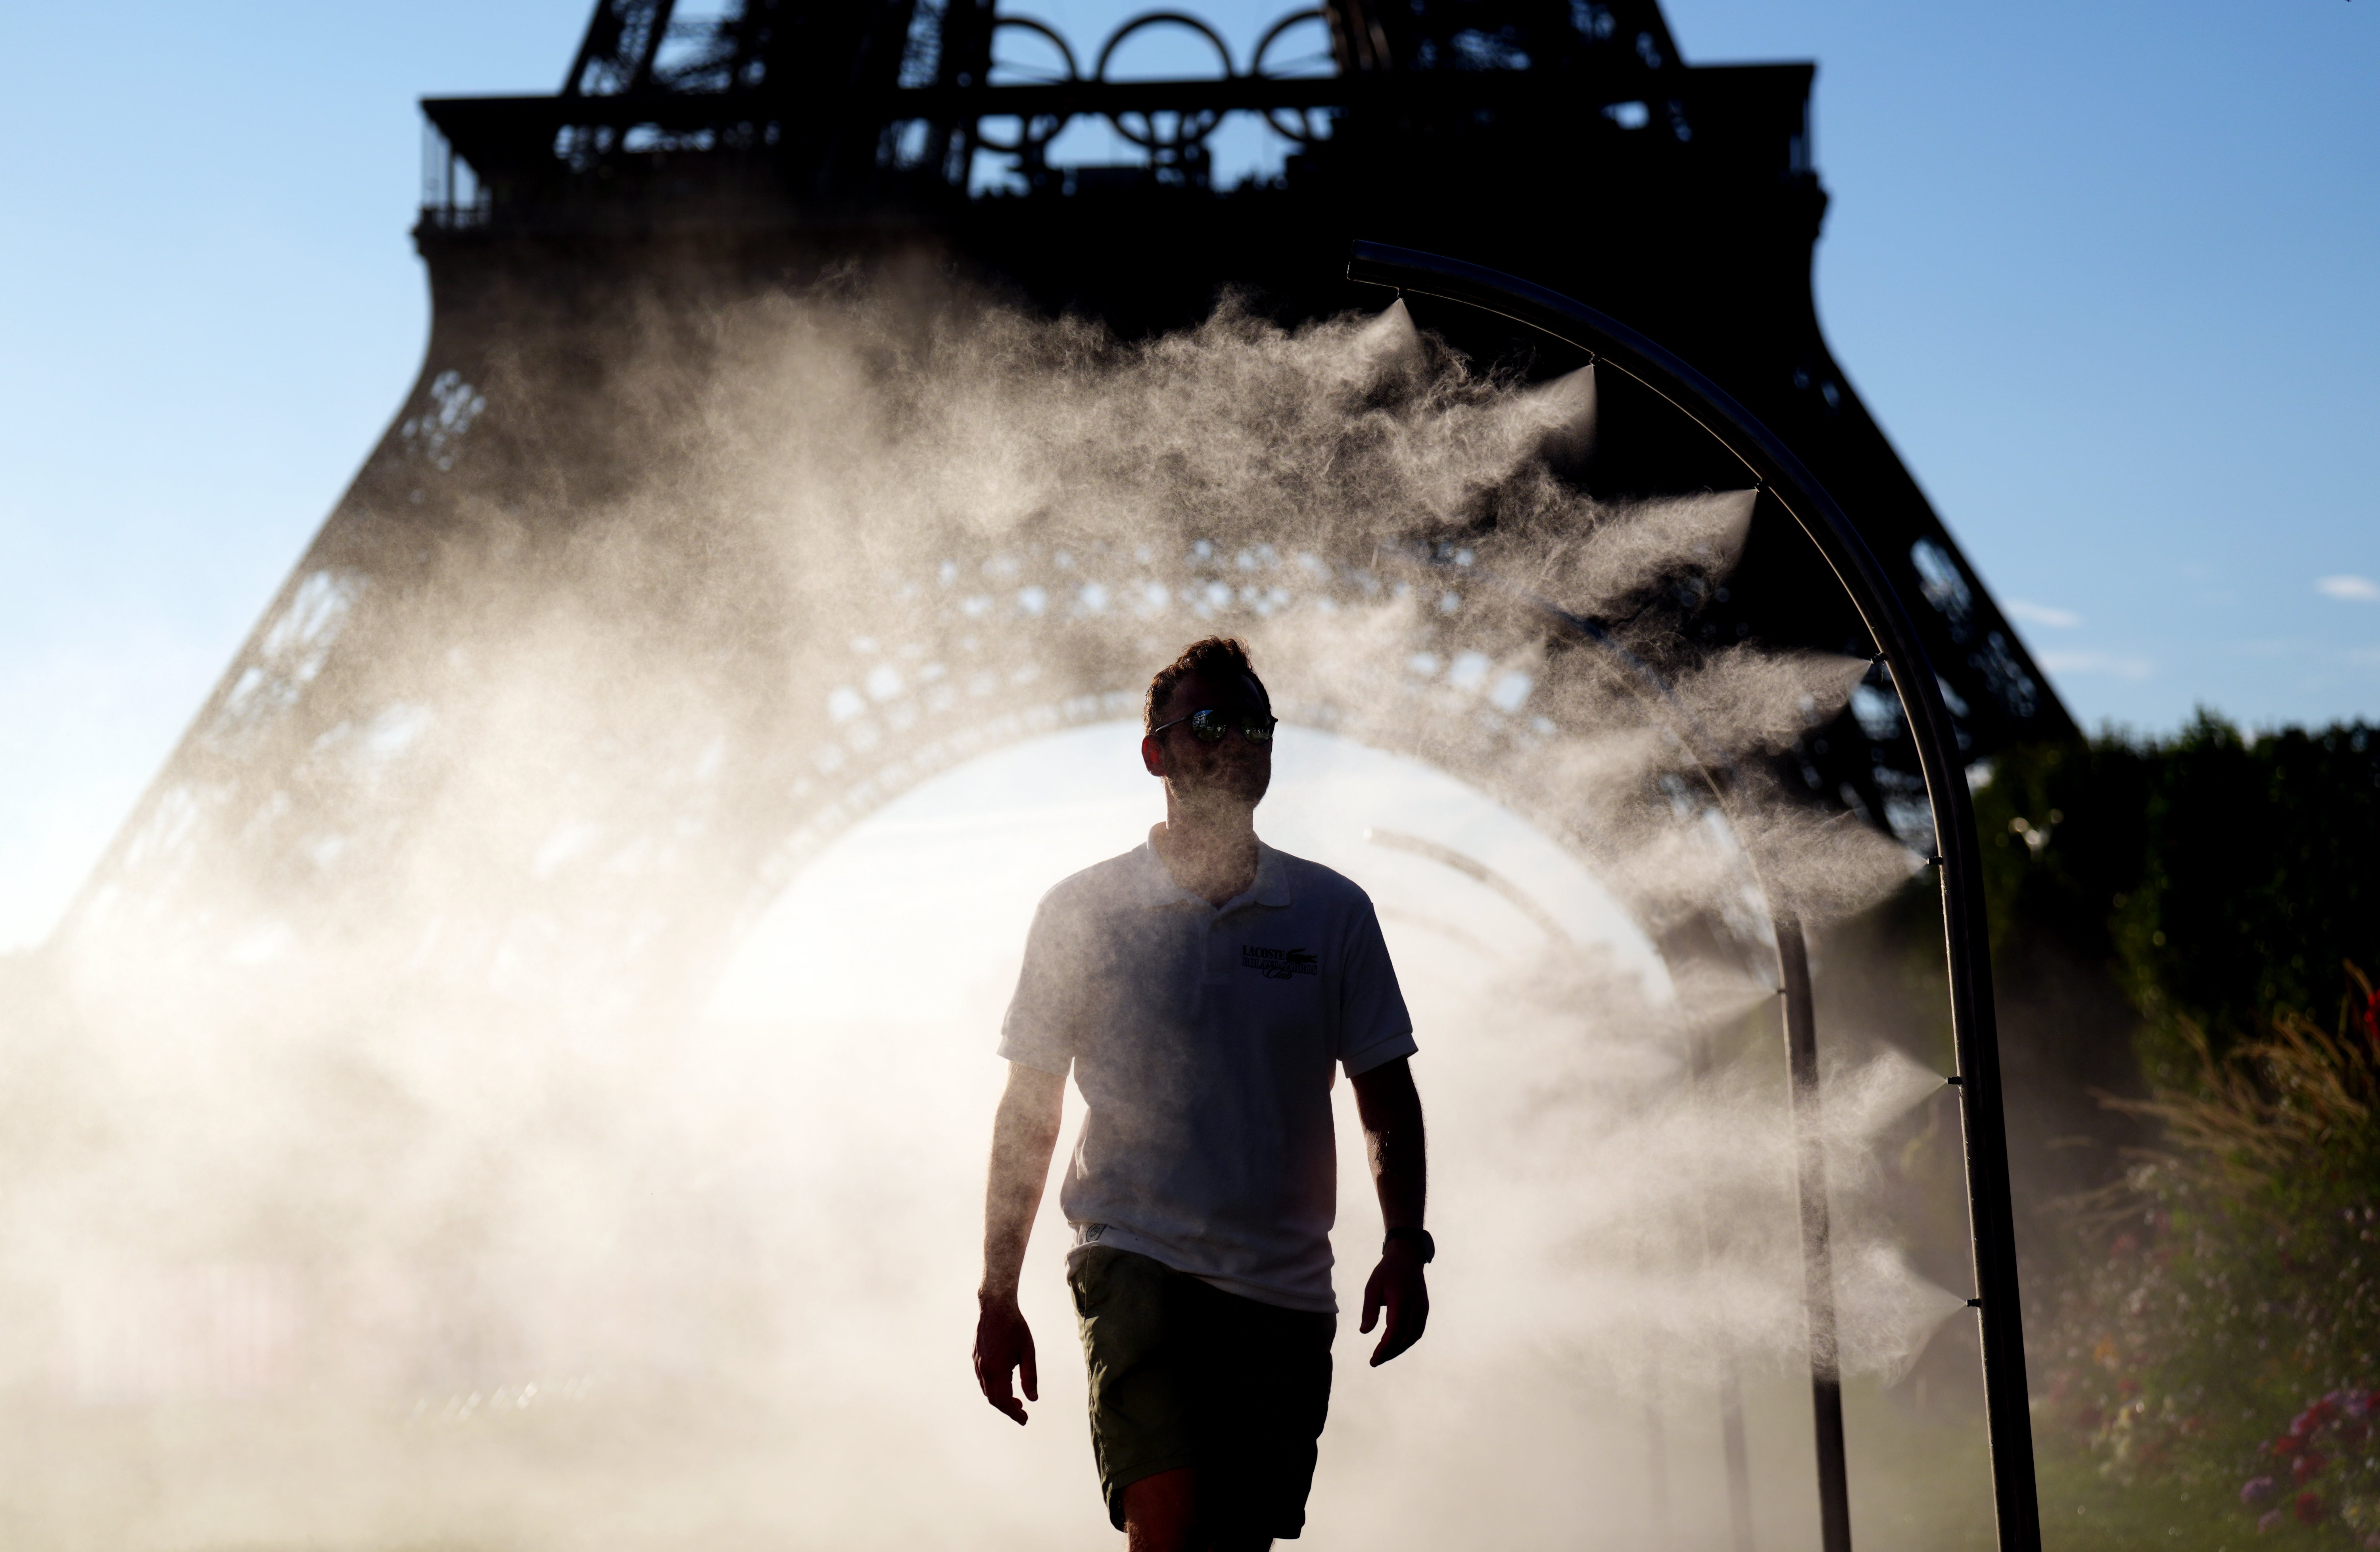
x,y
1279,965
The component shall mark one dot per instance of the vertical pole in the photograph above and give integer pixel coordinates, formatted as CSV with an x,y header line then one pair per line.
x,y
1738,1460
1657,1452
1818,1254
1730,1372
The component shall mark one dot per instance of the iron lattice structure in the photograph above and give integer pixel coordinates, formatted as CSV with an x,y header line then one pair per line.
x,y
786,139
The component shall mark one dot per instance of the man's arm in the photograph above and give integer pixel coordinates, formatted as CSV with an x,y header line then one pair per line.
x,y
1390,1108
1023,1135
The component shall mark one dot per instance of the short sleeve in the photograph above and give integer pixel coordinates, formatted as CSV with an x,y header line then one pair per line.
x,y
1374,1028
1044,1017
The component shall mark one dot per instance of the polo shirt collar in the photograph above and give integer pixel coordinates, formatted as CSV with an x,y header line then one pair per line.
x,y
1153,885
1272,879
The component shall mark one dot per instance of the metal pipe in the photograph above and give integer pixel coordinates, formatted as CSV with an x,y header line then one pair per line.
x,y
1731,1369
1739,1459
2016,1502
1817,1253
1657,1468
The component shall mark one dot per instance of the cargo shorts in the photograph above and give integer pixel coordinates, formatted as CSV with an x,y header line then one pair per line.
x,y
1183,1374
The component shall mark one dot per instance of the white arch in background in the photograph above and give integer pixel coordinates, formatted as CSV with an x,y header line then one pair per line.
x,y
917,908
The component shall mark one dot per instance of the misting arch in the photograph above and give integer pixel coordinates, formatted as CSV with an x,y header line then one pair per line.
x,y
1461,700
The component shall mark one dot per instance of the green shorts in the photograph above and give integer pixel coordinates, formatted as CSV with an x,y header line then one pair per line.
x,y
1183,1374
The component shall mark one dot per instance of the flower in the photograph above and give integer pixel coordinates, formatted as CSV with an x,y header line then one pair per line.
x,y
2308,1508
2307,1466
2269,1521
2257,1489
2315,1414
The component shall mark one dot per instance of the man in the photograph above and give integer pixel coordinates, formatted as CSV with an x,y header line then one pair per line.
x,y
1201,988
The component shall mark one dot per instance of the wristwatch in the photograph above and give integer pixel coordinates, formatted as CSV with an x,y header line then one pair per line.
x,y
1418,1236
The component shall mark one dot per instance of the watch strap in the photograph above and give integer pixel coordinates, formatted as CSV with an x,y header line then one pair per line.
x,y
1418,1236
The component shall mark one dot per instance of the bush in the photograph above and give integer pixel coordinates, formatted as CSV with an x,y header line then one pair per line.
x,y
2226,1336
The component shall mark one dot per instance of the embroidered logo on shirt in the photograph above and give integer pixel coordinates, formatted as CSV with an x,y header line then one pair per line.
x,y
1279,965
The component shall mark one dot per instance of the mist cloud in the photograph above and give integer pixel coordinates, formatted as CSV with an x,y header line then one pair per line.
x,y
369,1092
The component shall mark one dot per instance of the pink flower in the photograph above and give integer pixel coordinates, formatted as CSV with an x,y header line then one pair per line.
x,y
2257,1489
2269,1521
2306,1467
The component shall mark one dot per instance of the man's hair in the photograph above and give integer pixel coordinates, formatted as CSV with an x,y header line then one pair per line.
x,y
1219,658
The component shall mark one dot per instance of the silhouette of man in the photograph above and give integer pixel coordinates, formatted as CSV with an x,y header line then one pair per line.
x,y
1201,988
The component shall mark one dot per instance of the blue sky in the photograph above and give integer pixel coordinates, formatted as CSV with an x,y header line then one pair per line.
x,y
2103,270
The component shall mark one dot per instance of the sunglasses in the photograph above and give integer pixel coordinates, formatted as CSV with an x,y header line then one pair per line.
x,y
1209,726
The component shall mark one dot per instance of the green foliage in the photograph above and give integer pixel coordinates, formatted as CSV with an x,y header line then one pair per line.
x,y
2226,1342
2221,879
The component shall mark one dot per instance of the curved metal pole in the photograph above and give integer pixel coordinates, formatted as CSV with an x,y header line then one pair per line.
x,y
1966,945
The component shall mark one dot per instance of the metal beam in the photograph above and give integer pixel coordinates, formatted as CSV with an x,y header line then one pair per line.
x,y
1421,91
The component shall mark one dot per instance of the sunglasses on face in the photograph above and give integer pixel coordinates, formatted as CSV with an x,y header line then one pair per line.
x,y
1209,726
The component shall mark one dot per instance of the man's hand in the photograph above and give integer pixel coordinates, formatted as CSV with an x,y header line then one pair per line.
x,y
1002,1343
1392,1135
1396,1285
1023,1136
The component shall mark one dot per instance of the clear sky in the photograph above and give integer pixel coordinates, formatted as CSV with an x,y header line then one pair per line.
x,y
2103,272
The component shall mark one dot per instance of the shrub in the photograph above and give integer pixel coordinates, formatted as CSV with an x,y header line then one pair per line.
x,y
2227,1334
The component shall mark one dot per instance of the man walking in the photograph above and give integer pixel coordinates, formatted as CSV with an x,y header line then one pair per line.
x,y
1202,987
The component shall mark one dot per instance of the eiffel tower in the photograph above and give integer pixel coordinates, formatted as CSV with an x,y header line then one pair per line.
x,y
685,165
468,758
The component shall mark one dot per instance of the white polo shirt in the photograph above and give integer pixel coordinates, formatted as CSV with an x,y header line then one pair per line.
x,y
1204,1040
